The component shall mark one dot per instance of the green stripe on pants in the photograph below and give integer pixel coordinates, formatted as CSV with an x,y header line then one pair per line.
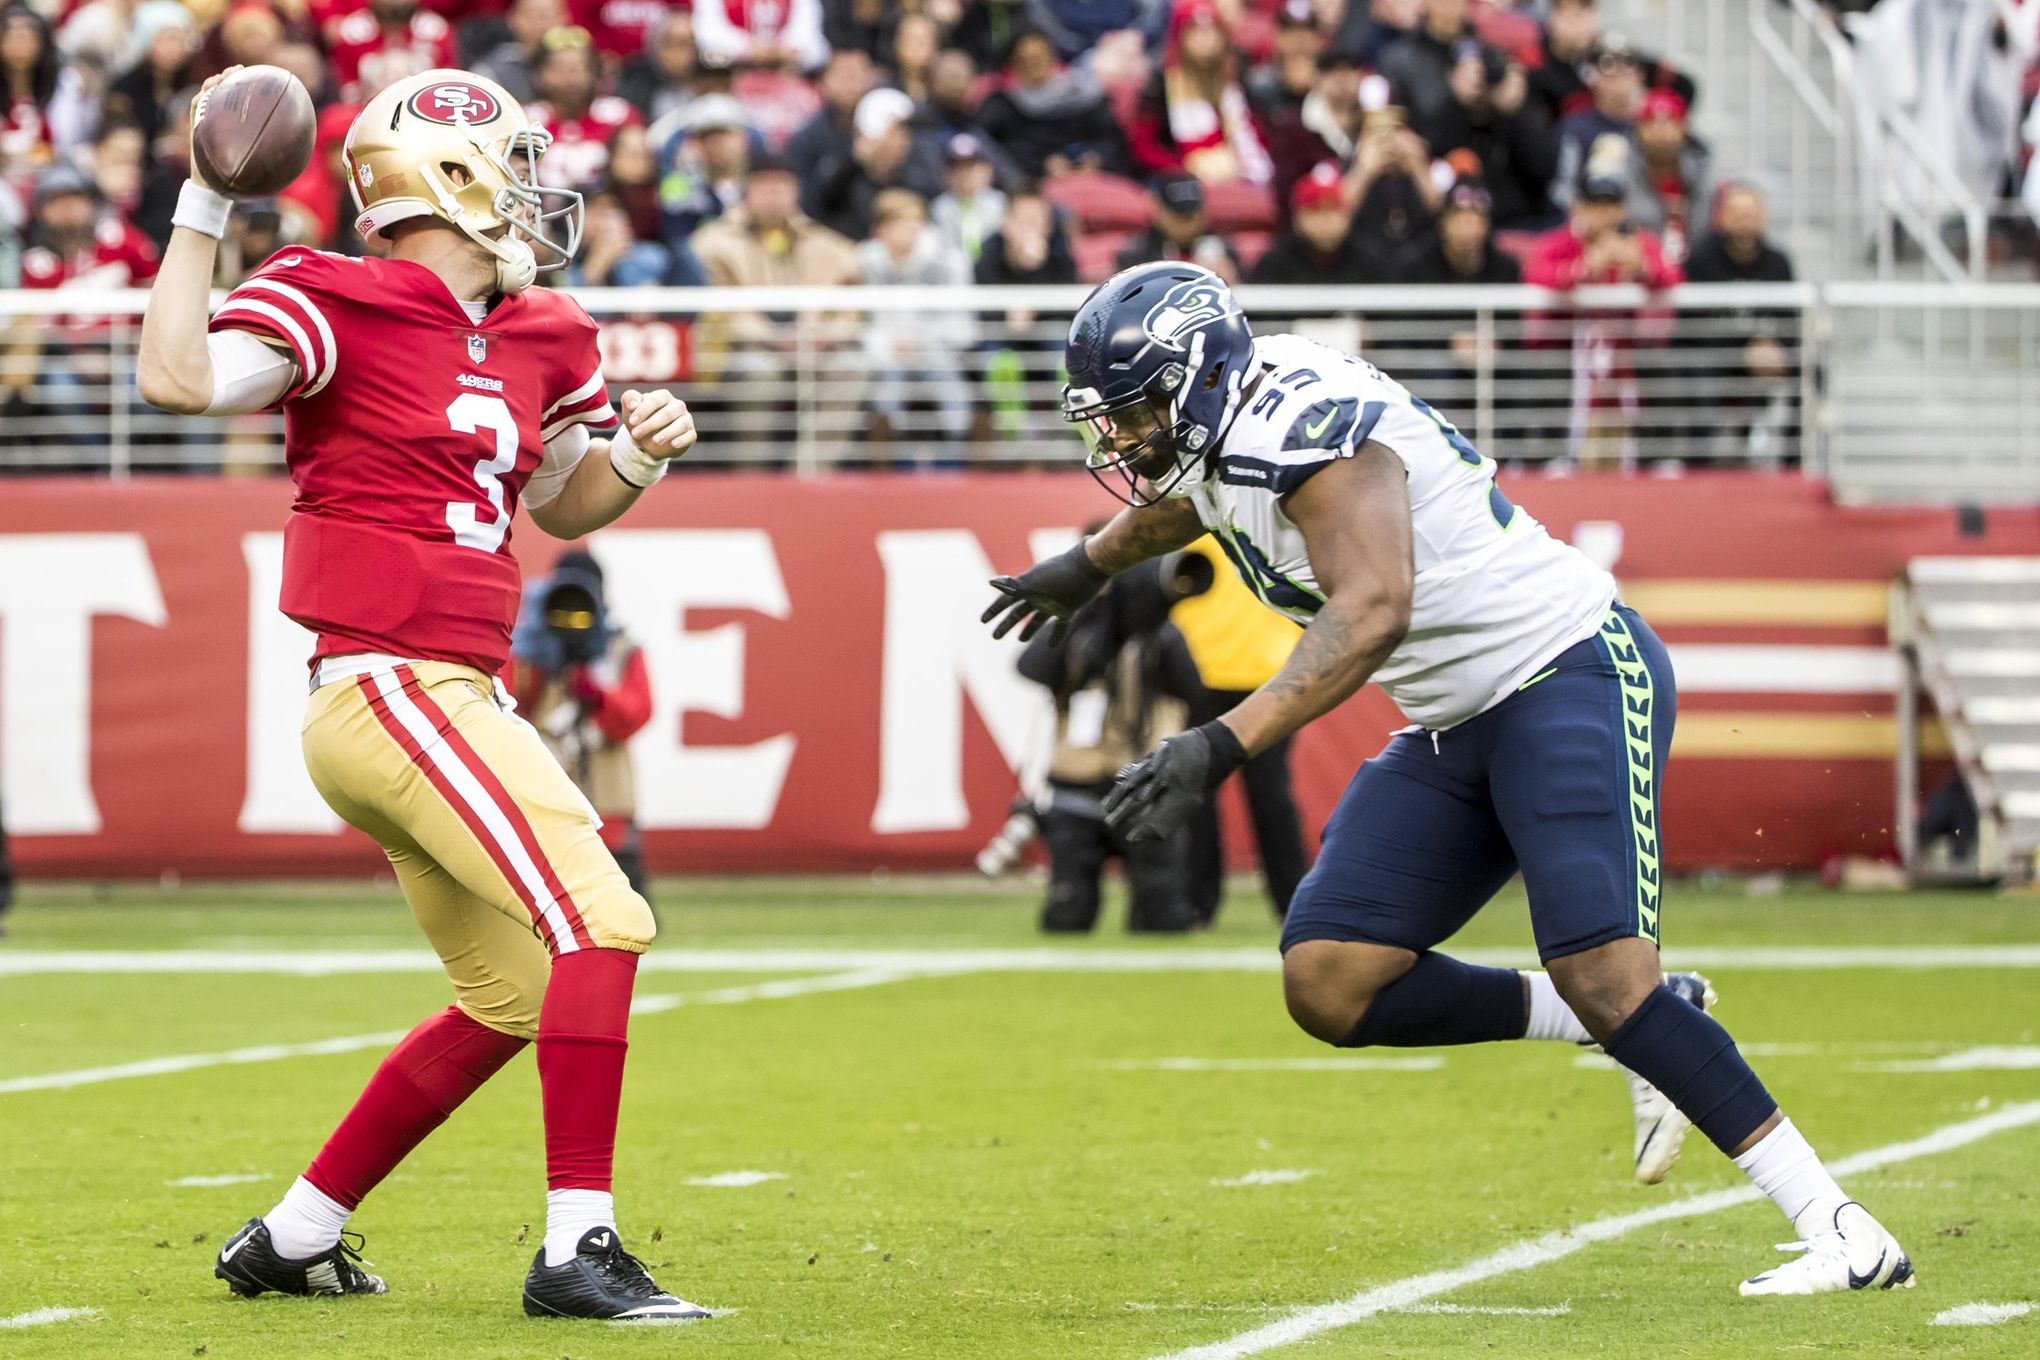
x,y
1637,700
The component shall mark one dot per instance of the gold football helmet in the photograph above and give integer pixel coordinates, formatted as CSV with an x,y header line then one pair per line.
x,y
455,146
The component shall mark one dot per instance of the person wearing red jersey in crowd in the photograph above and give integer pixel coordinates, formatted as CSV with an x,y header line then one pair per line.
x,y
29,68
383,42
1672,174
1560,64
781,33
426,396
580,118
619,28
314,205
1194,115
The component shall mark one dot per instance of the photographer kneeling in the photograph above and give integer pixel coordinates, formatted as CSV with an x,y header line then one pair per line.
x,y
581,681
1122,679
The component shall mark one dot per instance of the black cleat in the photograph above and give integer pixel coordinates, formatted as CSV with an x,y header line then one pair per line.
x,y
249,1264
602,1281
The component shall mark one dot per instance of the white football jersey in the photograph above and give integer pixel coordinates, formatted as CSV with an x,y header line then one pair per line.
x,y
1496,596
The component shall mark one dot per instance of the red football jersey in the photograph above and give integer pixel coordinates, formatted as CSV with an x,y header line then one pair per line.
x,y
410,432
580,149
367,57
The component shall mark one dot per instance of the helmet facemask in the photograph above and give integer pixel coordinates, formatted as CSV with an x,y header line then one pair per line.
x,y
1157,453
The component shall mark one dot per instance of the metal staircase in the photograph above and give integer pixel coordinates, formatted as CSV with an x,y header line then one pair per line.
x,y
1967,631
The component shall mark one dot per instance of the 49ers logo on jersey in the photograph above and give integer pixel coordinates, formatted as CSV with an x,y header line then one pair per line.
x,y
455,102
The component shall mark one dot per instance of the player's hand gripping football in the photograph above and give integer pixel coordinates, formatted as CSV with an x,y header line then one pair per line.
x,y
198,102
1154,796
1051,590
659,423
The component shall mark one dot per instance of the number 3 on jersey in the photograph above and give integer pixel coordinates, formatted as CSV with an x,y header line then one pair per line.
x,y
473,413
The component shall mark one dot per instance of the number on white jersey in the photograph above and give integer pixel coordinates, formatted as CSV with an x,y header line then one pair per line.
x,y
473,413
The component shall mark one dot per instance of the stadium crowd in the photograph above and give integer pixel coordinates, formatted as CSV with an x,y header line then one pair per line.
x,y
820,142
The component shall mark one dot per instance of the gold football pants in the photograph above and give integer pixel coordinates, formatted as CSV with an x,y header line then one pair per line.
x,y
498,853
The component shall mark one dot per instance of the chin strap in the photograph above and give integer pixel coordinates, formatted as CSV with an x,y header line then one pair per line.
x,y
516,265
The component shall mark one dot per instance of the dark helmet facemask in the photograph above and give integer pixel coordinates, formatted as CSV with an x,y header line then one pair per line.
x,y
1153,466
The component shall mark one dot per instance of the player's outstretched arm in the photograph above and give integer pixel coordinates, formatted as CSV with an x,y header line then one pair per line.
x,y
657,428
1053,590
1355,519
173,367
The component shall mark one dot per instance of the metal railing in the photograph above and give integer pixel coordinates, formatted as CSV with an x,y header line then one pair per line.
x,y
1860,383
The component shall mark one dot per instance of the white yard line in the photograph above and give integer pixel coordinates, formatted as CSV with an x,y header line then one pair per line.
x,y
1979,1314
43,1317
1474,1310
1341,1064
737,1180
1279,1176
1987,1058
1037,959
1538,1251
209,1182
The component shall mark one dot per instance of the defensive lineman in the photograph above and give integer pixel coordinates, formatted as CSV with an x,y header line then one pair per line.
x,y
425,395
1543,710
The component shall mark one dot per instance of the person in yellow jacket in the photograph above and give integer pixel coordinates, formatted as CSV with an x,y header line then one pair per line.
x,y
1238,643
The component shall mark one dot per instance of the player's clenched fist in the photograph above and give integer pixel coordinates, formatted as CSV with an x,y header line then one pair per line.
x,y
659,423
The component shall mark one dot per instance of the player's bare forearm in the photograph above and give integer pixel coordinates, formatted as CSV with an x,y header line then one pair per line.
x,y
1355,519
1143,531
172,367
657,428
593,497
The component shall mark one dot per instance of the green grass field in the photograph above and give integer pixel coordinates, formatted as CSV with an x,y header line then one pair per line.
x,y
976,1153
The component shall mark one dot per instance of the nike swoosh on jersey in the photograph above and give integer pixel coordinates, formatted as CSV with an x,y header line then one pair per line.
x,y
1535,678
1313,431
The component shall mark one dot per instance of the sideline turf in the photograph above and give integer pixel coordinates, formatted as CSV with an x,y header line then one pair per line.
x,y
964,1175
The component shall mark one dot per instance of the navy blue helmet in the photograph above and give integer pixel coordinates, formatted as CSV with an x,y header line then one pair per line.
x,y
1156,360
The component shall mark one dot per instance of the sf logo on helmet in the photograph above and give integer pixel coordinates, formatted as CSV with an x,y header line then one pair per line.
x,y
454,103
1189,306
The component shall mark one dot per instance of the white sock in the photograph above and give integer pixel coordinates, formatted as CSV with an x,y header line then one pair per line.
x,y
305,1222
569,1214
1784,1166
1550,1017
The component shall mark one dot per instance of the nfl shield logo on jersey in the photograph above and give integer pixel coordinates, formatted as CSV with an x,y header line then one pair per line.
x,y
478,348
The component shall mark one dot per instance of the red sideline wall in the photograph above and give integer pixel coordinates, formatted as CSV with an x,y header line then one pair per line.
x,y
826,698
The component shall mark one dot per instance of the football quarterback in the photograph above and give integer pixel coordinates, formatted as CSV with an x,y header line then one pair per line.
x,y
1542,708
427,395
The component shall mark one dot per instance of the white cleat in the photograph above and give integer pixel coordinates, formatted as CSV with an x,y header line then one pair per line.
x,y
1857,1254
1660,1129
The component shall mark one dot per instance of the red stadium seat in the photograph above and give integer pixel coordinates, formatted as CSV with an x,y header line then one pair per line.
x,y
1235,205
1100,202
1098,254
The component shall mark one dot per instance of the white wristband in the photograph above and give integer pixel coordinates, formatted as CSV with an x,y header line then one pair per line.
x,y
638,468
201,209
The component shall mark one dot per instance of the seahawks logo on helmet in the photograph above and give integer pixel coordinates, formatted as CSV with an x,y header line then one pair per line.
x,y
1188,307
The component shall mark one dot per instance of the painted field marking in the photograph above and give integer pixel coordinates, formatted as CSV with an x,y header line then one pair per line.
x,y
43,1317
1979,1314
261,1053
1476,1310
736,1180
1280,1176
1985,1058
208,1182
1424,1064
1043,959
1530,1253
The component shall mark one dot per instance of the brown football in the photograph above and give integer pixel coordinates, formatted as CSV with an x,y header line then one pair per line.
x,y
256,133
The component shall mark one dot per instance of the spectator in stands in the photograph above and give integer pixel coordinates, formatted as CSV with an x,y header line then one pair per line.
x,y
1751,351
664,78
1179,230
950,111
1616,81
1671,174
708,164
916,41
829,136
1490,115
29,71
118,152
885,154
169,166
611,254
987,29
511,62
1561,66
315,206
766,241
385,41
1320,245
1193,115
77,241
1325,127
1462,249
784,34
1598,245
1052,119
633,176
1421,65
573,109
969,210
1369,28
1029,247
1079,27
914,357
164,41
1391,181
620,29
1278,87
